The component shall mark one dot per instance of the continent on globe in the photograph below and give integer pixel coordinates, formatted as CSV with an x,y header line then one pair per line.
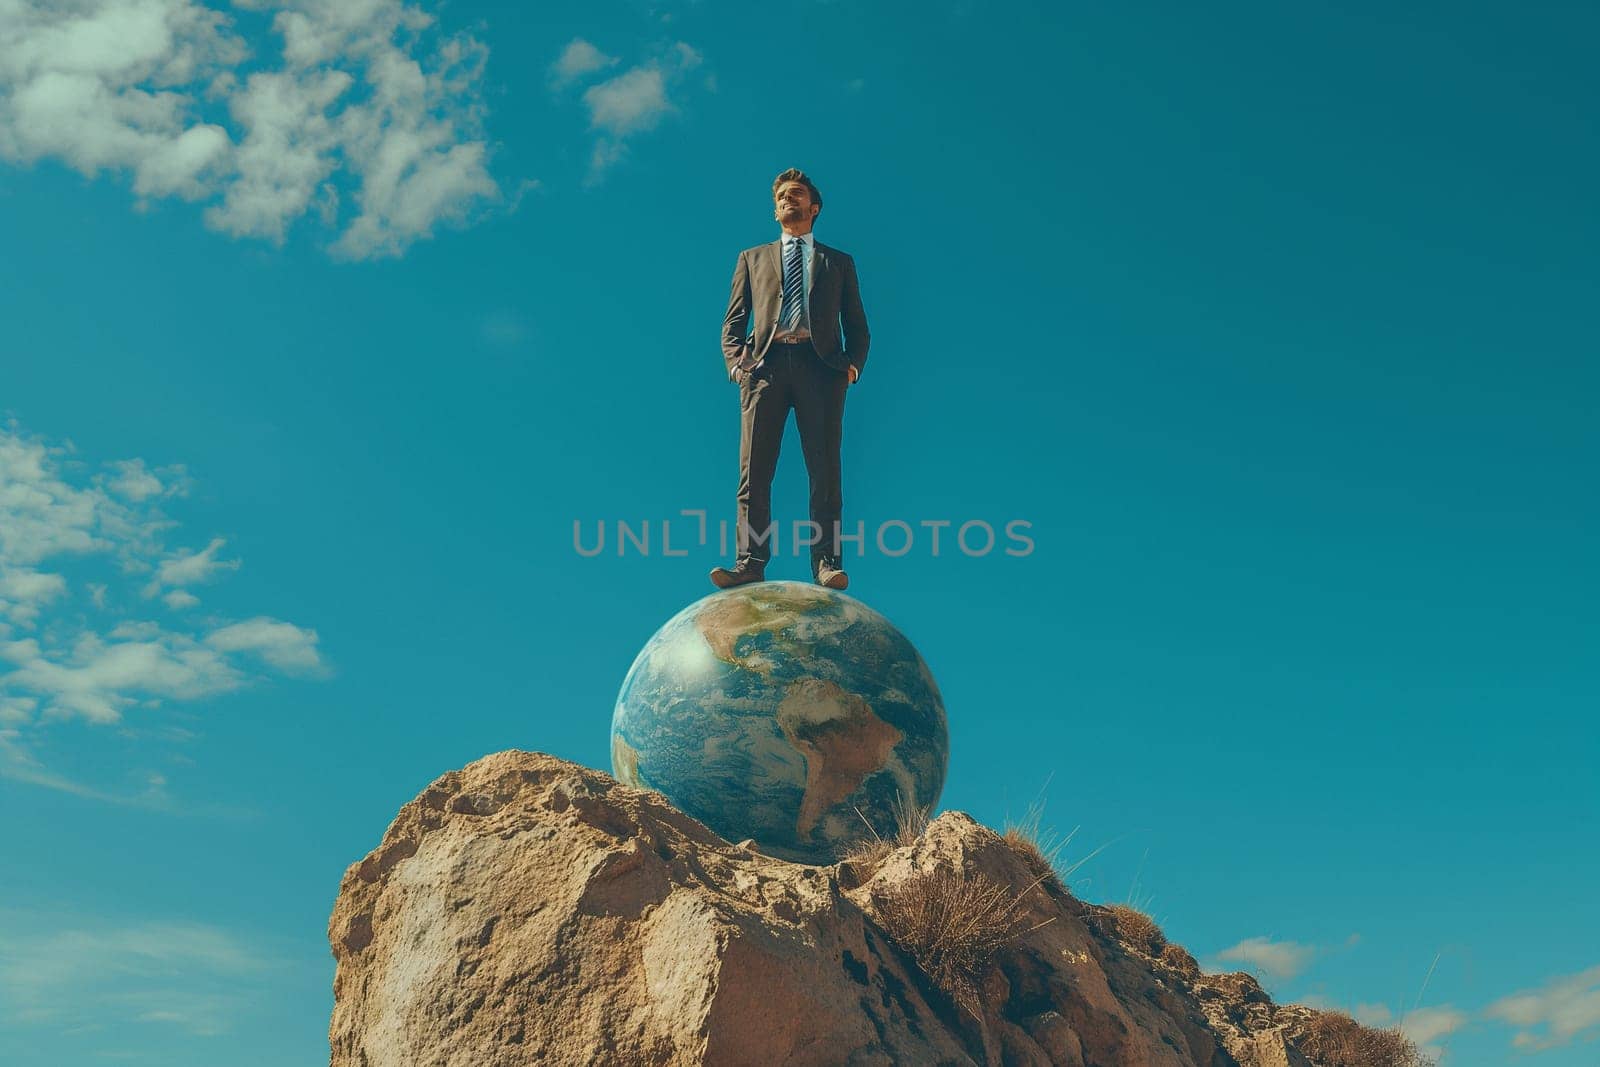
x,y
724,619
784,712
842,741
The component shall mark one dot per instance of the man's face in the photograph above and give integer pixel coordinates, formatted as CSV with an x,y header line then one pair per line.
x,y
792,203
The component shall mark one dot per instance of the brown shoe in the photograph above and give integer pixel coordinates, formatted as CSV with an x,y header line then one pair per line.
x,y
829,574
743,573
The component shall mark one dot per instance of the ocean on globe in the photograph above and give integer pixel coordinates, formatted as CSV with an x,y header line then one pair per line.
x,y
784,712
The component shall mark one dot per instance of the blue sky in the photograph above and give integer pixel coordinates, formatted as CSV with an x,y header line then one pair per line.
x,y
322,326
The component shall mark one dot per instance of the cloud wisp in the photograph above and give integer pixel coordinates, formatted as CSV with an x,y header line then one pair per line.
x,y
626,104
83,567
1561,1012
369,118
1554,1015
1276,959
91,974
577,59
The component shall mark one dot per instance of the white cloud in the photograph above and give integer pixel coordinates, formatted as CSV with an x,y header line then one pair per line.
x,y
632,102
190,568
1278,959
99,679
367,103
686,56
49,509
577,59
98,85
15,710
71,974
24,593
66,654
134,481
288,151
1552,1016
604,154
288,647
1425,1026
42,515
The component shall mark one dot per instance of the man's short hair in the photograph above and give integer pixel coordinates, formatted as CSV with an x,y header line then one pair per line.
x,y
795,174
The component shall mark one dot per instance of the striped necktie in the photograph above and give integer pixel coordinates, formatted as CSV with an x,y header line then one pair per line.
x,y
794,279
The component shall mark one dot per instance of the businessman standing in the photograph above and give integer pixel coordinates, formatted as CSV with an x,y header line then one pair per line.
x,y
790,296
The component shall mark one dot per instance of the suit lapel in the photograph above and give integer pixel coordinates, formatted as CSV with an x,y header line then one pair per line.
x,y
821,264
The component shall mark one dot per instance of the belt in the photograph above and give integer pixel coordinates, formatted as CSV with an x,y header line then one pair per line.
x,y
802,340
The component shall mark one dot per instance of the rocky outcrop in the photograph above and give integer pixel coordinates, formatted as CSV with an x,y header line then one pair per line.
x,y
526,910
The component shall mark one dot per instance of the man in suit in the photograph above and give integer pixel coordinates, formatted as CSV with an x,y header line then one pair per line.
x,y
791,295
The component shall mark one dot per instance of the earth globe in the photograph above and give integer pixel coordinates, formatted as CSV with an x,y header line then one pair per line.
x,y
784,712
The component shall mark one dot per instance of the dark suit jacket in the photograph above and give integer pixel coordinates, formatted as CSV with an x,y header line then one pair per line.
x,y
758,287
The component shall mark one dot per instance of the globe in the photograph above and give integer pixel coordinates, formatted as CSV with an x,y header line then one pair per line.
x,y
783,712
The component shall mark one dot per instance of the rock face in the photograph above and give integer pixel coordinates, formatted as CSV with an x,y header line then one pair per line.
x,y
526,910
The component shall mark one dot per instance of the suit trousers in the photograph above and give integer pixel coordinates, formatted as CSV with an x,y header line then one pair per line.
x,y
790,376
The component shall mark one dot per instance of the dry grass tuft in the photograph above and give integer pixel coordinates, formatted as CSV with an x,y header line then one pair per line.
x,y
1334,1039
1041,849
952,924
909,823
909,819
1038,854
866,854
1138,929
